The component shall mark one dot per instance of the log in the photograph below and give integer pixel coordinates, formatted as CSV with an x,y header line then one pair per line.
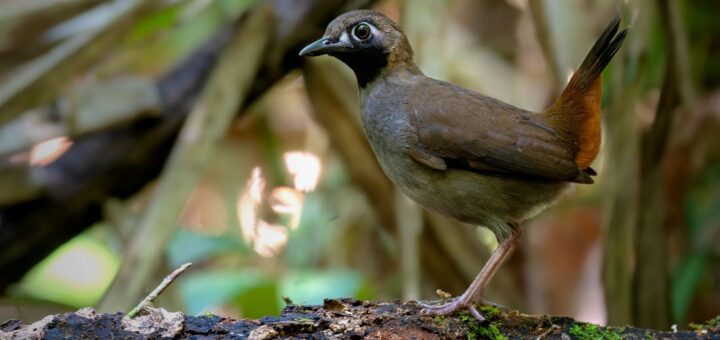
x,y
335,319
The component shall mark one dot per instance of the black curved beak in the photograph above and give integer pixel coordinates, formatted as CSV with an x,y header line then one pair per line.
x,y
324,46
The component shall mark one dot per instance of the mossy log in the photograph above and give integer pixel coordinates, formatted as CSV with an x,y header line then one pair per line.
x,y
335,319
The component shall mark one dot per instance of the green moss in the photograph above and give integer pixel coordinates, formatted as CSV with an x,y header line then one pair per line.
x,y
490,312
592,331
712,324
439,318
477,330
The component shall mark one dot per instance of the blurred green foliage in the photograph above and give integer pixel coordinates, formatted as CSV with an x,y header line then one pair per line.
x,y
189,246
169,34
76,274
202,290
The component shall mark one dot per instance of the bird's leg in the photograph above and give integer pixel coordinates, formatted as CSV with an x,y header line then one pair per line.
x,y
479,283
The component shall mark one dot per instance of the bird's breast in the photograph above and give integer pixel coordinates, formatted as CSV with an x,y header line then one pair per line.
x,y
387,130
384,118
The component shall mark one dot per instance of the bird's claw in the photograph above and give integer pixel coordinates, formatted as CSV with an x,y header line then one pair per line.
x,y
450,307
476,314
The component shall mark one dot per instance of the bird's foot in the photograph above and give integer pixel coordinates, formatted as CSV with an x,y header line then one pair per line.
x,y
476,287
452,306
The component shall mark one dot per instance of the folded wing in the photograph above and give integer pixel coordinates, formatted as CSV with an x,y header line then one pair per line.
x,y
457,128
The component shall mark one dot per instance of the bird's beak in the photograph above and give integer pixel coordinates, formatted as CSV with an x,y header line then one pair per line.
x,y
324,45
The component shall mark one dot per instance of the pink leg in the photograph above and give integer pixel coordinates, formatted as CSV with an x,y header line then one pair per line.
x,y
479,283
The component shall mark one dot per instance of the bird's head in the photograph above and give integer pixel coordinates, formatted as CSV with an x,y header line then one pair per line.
x,y
367,41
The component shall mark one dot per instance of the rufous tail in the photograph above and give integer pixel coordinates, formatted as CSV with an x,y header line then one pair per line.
x,y
576,114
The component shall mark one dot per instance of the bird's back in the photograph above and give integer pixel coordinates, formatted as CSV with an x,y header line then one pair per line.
x,y
480,133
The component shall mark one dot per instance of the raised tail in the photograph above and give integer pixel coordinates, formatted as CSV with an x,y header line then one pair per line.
x,y
576,114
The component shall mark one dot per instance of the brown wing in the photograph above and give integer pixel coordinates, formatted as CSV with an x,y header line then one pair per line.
x,y
458,128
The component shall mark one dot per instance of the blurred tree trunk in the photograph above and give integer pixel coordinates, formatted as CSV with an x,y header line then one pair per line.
x,y
652,293
636,268
621,150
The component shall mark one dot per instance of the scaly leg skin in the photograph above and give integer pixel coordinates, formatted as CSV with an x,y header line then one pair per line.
x,y
479,283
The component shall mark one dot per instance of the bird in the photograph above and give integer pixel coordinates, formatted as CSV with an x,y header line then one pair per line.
x,y
462,154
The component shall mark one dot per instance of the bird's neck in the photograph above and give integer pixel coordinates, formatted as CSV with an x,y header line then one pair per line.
x,y
366,75
392,84
374,65
367,68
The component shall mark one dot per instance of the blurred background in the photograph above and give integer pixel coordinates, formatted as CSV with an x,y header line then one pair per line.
x,y
137,135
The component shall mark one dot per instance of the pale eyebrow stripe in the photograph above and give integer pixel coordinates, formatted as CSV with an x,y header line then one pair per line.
x,y
375,30
344,37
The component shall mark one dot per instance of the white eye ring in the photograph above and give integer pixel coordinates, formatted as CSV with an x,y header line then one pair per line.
x,y
364,35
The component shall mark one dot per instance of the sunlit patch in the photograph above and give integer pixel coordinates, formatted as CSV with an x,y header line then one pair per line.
x,y
46,152
270,239
77,273
78,266
256,185
305,168
248,204
288,201
265,238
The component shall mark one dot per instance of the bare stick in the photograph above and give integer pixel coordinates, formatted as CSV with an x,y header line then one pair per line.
x,y
148,300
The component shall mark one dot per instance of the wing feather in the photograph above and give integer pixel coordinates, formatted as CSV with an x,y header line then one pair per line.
x,y
457,128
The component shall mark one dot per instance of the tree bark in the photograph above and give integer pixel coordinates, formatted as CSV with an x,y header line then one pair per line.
x,y
335,319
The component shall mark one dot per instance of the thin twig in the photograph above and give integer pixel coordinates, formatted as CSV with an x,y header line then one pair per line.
x,y
148,300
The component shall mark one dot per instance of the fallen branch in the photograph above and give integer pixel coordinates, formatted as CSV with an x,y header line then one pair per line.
x,y
115,163
90,108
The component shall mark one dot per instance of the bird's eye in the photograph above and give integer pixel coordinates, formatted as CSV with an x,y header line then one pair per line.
x,y
362,31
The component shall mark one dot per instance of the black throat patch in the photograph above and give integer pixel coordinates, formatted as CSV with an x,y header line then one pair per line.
x,y
367,63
